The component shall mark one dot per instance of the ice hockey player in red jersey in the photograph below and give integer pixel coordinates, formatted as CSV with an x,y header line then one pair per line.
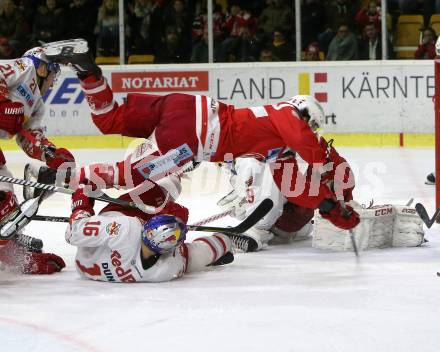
x,y
197,127
23,82
127,245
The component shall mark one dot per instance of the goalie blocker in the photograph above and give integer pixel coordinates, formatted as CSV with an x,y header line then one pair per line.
x,y
381,226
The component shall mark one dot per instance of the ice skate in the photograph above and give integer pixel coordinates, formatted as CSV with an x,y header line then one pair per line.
x,y
244,243
430,179
74,53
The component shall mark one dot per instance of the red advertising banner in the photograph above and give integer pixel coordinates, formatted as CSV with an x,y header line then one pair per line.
x,y
176,81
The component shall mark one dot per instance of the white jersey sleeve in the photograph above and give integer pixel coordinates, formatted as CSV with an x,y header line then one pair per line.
x,y
21,80
109,249
255,182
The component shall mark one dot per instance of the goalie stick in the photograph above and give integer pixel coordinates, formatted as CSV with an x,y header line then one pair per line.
x,y
259,212
103,197
26,210
351,232
421,210
205,221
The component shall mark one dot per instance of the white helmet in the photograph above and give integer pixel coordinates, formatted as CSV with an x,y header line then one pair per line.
x,y
38,57
310,109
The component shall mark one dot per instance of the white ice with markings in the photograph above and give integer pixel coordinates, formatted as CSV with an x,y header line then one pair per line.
x,y
285,298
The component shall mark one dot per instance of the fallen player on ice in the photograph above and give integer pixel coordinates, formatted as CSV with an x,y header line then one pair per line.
x,y
128,245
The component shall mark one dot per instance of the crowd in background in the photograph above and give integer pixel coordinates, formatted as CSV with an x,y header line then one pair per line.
x,y
175,31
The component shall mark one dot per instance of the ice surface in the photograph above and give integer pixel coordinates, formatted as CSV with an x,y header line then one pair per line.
x,y
285,298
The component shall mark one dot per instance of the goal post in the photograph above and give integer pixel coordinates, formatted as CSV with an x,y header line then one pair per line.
x,y
437,122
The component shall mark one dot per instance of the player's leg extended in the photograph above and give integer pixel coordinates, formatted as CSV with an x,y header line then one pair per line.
x,y
205,251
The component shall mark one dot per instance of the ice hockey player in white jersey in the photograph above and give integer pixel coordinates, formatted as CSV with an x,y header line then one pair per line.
x,y
127,245
252,181
23,82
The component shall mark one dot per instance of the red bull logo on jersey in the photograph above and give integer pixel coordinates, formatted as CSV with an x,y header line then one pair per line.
x,y
20,65
124,276
113,229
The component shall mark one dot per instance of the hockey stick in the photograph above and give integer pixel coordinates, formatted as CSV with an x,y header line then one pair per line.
x,y
103,197
259,212
212,218
23,216
50,218
421,210
351,232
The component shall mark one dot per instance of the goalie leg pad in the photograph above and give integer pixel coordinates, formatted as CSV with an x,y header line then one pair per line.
x,y
380,227
408,228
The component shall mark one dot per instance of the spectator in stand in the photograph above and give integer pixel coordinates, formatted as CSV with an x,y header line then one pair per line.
x,y
312,20
200,49
277,14
107,29
369,14
266,55
312,52
27,9
246,47
236,19
178,17
81,20
171,49
49,23
343,46
426,49
200,25
6,51
239,17
11,26
281,49
145,17
370,47
337,11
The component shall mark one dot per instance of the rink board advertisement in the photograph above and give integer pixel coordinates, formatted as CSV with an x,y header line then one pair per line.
x,y
363,97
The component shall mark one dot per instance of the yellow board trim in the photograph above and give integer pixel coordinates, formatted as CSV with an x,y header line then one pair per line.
x,y
341,140
364,139
79,142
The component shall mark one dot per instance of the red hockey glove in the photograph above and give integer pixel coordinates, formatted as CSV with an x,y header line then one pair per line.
x,y
60,156
344,218
11,116
99,176
37,146
82,206
8,205
26,262
341,178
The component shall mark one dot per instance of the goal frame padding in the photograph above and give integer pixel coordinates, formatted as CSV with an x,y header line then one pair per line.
x,y
437,130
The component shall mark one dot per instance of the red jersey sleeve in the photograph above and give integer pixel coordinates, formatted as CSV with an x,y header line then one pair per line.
x,y
297,134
